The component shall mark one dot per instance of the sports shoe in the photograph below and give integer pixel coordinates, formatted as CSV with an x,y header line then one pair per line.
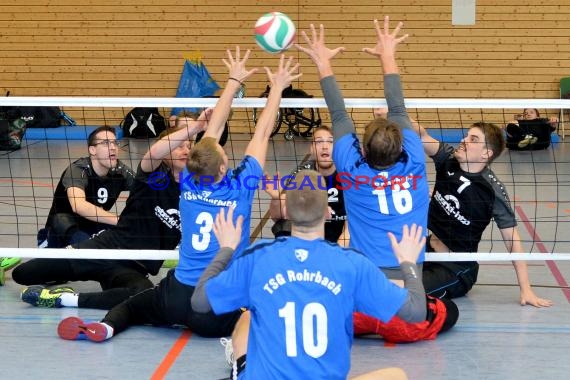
x,y
170,263
37,295
528,140
8,263
1,276
229,350
73,328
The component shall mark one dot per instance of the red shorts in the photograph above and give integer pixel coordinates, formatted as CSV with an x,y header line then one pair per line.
x,y
399,331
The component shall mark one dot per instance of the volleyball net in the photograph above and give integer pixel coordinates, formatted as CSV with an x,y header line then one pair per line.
x,y
537,181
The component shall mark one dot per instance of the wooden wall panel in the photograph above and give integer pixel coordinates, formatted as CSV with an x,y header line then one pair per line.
x,y
517,49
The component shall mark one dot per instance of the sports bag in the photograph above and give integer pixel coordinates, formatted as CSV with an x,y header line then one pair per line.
x,y
143,122
12,128
41,117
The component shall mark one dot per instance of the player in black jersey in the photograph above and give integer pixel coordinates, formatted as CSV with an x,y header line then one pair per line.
x,y
466,196
85,194
320,161
150,220
528,131
87,191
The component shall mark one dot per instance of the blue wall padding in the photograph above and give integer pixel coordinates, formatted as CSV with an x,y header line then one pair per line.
x,y
76,132
455,135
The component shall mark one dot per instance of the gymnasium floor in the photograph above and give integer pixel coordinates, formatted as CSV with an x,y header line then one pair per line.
x,y
494,339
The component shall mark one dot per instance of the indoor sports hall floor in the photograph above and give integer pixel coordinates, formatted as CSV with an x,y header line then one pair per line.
x,y
494,339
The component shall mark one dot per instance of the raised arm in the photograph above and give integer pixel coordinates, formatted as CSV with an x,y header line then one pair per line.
x,y
279,80
161,148
322,56
431,145
278,196
385,50
237,75
513,244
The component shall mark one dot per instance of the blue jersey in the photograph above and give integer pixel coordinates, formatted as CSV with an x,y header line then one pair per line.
x,y
382,201
200,202
301,294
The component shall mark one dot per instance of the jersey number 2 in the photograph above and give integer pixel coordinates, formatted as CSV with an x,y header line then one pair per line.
x,y
314,315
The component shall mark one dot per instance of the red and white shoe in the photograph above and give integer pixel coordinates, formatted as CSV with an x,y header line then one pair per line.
x,y
73,328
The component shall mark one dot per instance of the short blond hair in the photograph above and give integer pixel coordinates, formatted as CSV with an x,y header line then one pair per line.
x,y
205,159
307,201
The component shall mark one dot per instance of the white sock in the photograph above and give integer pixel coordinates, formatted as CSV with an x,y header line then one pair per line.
x,y
110,330
69,299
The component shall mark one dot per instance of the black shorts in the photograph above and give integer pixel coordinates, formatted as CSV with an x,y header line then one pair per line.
x,y
168,304
448,279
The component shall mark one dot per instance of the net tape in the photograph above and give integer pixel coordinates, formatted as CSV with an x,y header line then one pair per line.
x,y
286,102
173,254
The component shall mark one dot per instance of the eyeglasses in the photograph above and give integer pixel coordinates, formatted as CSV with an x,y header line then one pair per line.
x,y
107,143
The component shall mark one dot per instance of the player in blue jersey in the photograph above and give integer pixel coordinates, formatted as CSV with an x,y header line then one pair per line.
x,y
207,185
386,184
302,290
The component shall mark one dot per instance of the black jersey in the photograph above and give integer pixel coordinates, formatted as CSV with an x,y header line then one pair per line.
x,y
150,219
463,204
335,225
100,191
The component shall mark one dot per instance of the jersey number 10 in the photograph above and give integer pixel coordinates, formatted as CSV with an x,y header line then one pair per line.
x,y
314,315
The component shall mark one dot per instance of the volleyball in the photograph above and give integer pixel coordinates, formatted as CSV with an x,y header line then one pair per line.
x,y
274,32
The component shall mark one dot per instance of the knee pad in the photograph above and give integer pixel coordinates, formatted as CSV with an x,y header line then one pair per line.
x,y
63,225
452,314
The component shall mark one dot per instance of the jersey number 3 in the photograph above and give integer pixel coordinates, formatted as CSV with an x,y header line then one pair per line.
x,y
314,315
201,241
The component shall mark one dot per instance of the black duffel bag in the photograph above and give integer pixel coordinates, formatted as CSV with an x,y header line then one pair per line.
x,y
41,117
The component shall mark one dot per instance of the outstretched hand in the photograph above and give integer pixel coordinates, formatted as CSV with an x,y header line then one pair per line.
x,y
236,65
272,187
409,248
316,49
228,233
205,117
285,73
387,42
528,297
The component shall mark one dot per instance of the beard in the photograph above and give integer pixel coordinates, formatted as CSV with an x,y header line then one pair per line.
x,y
324,165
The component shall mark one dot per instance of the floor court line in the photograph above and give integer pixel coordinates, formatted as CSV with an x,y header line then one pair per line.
x,y
172,355
542,248
25,182
511,328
